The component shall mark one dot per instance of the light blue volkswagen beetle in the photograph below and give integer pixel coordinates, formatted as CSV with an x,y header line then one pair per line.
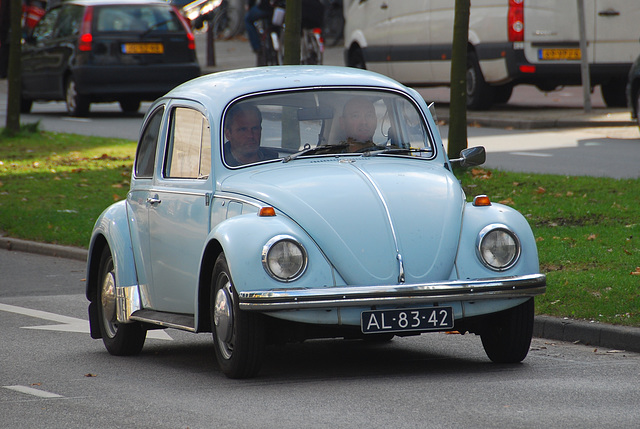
x,y
286,203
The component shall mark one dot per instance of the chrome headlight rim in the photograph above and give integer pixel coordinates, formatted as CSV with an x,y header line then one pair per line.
x,y
270,245
483,235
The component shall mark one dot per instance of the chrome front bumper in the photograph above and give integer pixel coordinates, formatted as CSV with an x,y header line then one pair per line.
x,y
357,296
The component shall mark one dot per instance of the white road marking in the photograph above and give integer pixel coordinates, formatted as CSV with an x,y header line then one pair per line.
x,y
541,155
34,392
67,324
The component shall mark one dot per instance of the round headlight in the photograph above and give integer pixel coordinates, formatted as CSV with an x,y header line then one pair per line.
x,y
498,247
284,258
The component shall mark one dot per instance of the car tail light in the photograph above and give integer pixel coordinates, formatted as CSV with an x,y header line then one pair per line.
x,y
515,21
85,31
185,23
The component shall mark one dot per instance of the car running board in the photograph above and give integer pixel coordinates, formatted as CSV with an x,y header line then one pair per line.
x,y
185,322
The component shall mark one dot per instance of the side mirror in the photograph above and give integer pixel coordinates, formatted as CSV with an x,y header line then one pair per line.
x,y
471,156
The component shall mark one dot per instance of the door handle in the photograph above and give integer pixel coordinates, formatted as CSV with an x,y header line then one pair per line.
x,y
609,12
154,200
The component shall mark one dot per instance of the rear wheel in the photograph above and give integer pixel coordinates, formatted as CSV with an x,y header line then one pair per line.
x,y
506,336
129,105
77,104
120,339
613,93
356,58
480,95
238,336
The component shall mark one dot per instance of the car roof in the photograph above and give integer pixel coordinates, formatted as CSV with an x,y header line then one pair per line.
x,y
222,87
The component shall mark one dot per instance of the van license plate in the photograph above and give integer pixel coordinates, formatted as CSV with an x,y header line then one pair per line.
x,y
407,319
142,48
559,54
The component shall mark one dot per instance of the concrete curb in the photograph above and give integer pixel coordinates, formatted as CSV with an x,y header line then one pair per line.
x,y
553,328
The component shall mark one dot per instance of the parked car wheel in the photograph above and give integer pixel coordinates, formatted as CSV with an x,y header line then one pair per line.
x,y
480,94
77,105
507,335
238,336
502,93
25,105
637,101
120,339
613,93
129,105
356,58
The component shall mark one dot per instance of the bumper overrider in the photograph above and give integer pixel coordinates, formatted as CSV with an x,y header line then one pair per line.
x,y
357,296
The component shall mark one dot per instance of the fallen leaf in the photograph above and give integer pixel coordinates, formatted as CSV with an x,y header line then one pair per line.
x,y
90,375
591,237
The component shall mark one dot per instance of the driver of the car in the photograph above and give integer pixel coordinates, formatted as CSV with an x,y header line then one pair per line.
x,y
359,123
243,131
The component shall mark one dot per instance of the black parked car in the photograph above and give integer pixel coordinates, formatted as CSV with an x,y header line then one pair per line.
x,y
633,90
87,51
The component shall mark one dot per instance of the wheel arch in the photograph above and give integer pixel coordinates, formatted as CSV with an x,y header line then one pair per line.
x,y
209,256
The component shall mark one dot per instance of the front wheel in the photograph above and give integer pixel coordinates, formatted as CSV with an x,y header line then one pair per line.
x,y
238,336
356,58
120,339
507,335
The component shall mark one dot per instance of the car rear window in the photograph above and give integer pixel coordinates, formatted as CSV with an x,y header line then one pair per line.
x,y
138,18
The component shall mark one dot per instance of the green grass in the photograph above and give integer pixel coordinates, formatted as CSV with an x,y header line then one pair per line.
x,y
54,186
588,235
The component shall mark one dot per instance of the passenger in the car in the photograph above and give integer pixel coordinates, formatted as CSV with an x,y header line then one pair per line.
x,y
243,131
359,123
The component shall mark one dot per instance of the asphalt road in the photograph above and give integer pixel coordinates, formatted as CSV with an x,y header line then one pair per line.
x,y
53,375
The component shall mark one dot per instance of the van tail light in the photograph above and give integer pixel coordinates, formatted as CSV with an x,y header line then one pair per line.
x,y
515,21
187,27
85,30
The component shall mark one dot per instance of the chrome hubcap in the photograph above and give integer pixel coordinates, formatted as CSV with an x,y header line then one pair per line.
x,y
223,320
108,301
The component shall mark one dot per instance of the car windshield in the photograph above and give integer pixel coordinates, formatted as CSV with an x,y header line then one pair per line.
x,y
297,124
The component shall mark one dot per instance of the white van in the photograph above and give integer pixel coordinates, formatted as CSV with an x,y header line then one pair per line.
x,y
510,42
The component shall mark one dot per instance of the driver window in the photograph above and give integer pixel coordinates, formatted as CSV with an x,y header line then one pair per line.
x,y
189,150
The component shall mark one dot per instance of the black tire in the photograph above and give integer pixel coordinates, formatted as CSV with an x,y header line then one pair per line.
x,y
614,94
506,337
129,105
480,95
120,339
77,104
355,58
636,99
238,336
25,105
502,93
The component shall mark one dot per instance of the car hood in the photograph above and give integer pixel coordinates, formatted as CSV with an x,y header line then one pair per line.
x,y
363,213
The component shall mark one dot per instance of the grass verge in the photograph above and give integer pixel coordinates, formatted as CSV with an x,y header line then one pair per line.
x,y
53,187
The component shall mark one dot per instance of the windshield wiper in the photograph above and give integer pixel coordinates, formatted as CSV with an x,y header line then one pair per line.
x,y
318,150
398,150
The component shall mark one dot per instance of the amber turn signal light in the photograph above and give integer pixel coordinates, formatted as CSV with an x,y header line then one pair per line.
x,y
481,201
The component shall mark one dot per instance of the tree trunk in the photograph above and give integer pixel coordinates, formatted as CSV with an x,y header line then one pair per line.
x,y
13,99
292,30
458,91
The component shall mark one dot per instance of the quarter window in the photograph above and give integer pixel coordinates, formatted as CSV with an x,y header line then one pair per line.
x,y
189,151
146,156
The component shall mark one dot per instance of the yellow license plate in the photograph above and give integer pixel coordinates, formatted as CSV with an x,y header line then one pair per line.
x,y
559,54
143,48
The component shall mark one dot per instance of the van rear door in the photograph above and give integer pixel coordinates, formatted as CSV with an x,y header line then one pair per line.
x,y
552,32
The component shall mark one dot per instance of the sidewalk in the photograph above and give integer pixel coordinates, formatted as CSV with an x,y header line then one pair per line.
x,y
552,328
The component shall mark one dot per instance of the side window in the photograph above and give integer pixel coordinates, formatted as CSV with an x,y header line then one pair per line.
x,y
46,26
146,154
189,149
70,19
